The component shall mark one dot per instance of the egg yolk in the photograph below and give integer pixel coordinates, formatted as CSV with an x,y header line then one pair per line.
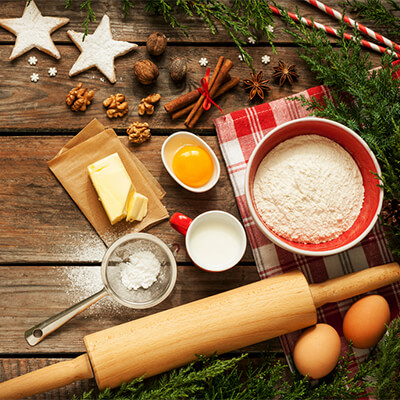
x,y
192,165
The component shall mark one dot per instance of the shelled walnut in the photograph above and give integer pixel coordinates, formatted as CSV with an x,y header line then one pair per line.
x,y
146,105
138,132
79,98
116,106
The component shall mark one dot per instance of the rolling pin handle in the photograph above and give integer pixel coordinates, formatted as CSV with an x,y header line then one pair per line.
x,y
354,284
47,378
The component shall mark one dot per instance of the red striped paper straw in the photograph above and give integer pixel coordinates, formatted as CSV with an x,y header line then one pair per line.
x,y
336,14
334,32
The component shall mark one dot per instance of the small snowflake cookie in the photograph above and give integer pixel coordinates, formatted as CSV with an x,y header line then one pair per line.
x,y
241,57
251,40
52,71
34,77
270,29
32,60
203,62
265,59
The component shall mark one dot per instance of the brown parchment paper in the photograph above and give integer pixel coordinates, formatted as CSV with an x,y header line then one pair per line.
x,y
93,143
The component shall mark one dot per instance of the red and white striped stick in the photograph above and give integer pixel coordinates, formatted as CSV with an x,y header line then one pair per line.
x,y
334,32
362,28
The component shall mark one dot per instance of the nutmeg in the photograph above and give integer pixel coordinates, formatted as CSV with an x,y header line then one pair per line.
x,y
177,69
146,72
156,43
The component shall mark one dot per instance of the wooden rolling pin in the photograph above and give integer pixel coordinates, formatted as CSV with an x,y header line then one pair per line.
x,y
220,323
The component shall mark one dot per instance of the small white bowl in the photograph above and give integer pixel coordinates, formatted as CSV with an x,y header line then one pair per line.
x,y
175,142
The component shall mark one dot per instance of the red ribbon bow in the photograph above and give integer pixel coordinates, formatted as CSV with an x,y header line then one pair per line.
x,y
205,92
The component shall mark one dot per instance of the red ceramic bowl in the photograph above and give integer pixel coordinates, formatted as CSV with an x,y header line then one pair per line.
x,y
366,161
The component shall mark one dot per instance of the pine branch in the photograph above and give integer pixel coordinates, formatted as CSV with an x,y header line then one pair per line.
x,y
212,12
90,15
387,369
377,12
126,6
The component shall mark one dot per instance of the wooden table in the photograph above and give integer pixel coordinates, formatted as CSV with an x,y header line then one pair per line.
x,y
50,254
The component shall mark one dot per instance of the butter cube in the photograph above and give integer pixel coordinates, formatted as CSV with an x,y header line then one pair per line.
x,y
137,207
113,186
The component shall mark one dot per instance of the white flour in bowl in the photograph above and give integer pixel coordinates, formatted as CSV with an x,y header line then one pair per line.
x,y
308,189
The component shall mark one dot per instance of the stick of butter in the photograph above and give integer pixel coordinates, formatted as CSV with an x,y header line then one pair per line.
x,y
137,207
113,186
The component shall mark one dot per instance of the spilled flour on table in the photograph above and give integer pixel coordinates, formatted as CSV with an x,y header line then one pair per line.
x,y
83,248
82,282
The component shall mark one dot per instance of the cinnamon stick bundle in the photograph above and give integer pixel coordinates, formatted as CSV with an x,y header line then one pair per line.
x,y
224,88
192,103
214,85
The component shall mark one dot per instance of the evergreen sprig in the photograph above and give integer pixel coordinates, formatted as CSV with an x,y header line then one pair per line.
x,y
242,378
246,18
377,12
387,367
364,99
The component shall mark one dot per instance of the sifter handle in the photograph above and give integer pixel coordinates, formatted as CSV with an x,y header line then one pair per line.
x,y
354,284
47,378
36,334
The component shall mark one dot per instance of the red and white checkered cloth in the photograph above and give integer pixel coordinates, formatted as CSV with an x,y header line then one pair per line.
x,y
238,134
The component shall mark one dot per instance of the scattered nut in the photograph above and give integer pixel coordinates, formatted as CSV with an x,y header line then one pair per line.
x,y
146,105
156,43
138,132
116,106
79,98
177,69
146,72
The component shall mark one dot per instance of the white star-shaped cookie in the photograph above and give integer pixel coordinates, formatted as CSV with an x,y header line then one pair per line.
x,y
99,50
33,30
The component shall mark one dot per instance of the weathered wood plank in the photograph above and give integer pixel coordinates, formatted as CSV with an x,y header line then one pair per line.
x,y
31,294
41,223
28,106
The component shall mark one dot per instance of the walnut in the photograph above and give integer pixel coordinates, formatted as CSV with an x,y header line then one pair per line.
x,y
138,132
146,72
146,105
79,98
177,69
116,106
156,43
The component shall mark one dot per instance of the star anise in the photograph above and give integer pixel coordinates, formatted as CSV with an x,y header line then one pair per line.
x,y
257,85
283,72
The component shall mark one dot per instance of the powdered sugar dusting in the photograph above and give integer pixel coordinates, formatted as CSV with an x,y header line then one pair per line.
x,y
85,248
82,282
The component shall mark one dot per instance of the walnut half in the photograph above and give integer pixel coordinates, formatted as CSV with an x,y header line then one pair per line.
x,y
116,106
138,132
79,98
146,105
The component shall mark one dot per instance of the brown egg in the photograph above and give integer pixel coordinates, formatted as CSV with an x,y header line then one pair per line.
x,y
317,351
364,322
